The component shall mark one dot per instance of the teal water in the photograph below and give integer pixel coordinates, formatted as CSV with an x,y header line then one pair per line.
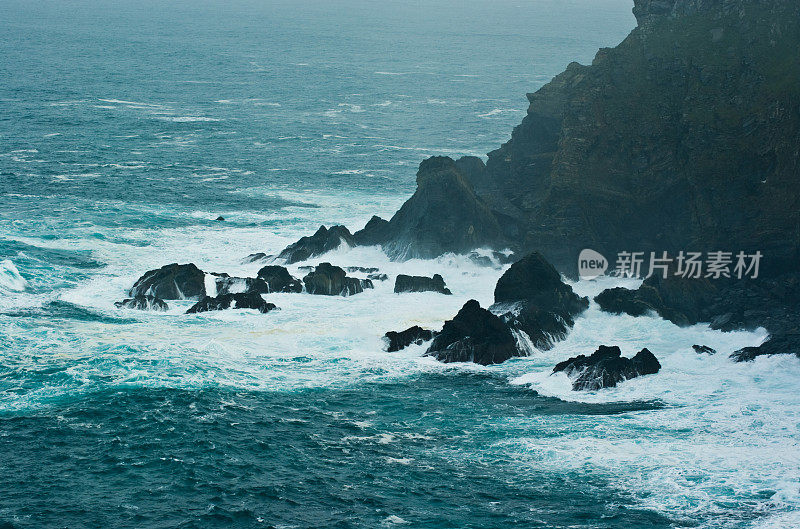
x,y
126,128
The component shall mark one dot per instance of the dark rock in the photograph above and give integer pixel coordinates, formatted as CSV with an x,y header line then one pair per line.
x,y
220,218
681,137
257,257
362,269
250,300
173,281
620,300
396,341
683,301
494,260
535,281
474,335
329,280
377,277
542,327
374,233
786,344
704,349
606,368
143,303
531,297
444,215
278,279
323,241
405,283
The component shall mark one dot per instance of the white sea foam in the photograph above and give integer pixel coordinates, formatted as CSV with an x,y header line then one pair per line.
x,y
10,278
727,432
186,119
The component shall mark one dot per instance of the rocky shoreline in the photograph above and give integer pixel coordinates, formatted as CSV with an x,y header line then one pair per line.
x,y
683,137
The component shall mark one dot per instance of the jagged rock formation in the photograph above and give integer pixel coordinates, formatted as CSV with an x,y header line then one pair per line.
x,y
172,281
704,349
375,232
606,368
531,297
533,307
682,137
329,280
278,279
444,215
323,241
474,335
395,341
404,283
251,300
143,303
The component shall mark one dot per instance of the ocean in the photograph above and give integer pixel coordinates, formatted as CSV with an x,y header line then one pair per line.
x,y
127,128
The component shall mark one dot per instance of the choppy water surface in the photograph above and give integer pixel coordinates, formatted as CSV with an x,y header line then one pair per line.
x,y
126,129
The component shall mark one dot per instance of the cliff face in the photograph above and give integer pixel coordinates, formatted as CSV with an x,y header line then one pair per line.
x,y
686,136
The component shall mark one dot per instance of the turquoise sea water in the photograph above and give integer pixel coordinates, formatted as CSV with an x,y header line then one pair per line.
x,y
126,128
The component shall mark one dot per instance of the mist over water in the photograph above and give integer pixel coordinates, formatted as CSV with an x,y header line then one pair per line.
x,y
126,129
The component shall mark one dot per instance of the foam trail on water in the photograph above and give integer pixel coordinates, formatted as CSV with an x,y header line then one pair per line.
x,y
10,278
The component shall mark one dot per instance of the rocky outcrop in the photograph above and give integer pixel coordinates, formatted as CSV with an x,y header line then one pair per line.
x,y
329,280
683,137
377,277
323,241
143,303
278,279
682,301
778,344
404,283
395,341
375,232
727,304
606,368
173,281
530,297
250,300
474,335
444,215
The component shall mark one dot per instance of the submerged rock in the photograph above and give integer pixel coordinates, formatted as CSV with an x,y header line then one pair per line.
x,y
278,279
225,284
396,341
405,283
606,368
330,280
362,269
474,335
256,257
143,303
250,300
323,241
173,281
704,349
377,277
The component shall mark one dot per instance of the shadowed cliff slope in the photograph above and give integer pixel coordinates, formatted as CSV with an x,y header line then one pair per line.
x,y
686,136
